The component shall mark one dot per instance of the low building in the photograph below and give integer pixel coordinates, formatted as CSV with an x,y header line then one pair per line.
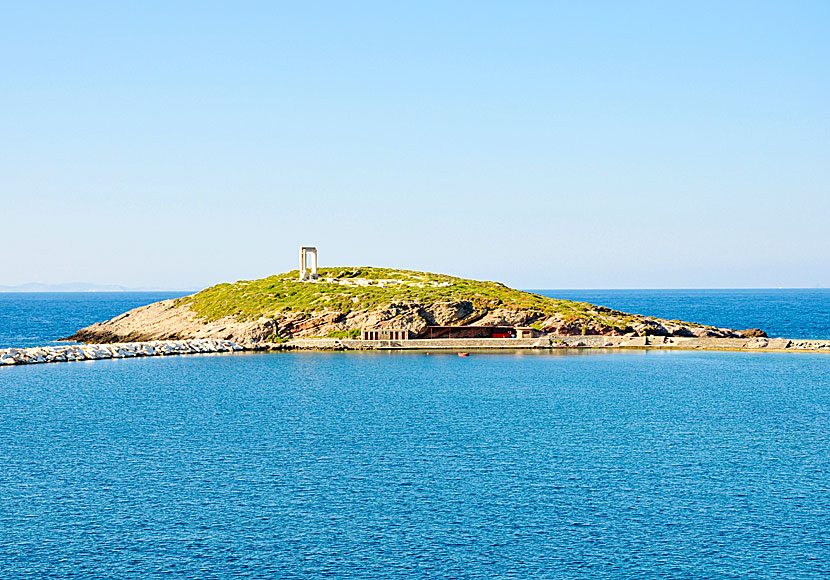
x,y
479,332
526,332
449,332
385,334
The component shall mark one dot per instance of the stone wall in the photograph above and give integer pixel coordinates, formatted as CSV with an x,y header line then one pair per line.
x,y
564,341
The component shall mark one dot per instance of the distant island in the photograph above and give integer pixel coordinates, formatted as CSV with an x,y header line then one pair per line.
x,y
369,302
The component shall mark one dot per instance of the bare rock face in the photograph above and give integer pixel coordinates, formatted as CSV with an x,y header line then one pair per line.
x,y
505,317
447,313
753,333
166,321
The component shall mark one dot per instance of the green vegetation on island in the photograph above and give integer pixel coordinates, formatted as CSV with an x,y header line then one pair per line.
x,y
339,302
280,294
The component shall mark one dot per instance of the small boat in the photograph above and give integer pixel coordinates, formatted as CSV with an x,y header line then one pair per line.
x,y
463,354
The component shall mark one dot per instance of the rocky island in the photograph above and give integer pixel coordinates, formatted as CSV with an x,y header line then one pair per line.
x,y
340,302
386,309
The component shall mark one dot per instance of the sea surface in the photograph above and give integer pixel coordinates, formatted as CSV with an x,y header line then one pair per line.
x,y
42,318
510,464
401,465
781,312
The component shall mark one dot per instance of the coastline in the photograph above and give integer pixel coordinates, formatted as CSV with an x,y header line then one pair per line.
x,y
84,352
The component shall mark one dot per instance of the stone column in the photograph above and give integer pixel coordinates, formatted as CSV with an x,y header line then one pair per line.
x,y
314,264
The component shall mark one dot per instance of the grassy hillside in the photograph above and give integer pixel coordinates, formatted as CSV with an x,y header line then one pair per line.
x,y
252,299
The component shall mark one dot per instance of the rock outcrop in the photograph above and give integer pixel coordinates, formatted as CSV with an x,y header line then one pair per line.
x,y
753,333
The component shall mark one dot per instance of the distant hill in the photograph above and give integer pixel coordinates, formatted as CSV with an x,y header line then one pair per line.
x,y
344,300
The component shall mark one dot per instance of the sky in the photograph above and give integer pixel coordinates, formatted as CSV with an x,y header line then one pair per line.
x,y
541,144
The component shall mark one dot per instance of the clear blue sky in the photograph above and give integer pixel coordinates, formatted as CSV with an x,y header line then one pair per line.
x,y
549,144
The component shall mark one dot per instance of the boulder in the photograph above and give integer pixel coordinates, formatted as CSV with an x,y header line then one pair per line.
x,y
753,333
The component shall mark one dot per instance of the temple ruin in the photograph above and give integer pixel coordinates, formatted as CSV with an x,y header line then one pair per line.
x,y
305,253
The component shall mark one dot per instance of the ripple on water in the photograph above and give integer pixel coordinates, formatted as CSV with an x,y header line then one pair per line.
x,y
621,465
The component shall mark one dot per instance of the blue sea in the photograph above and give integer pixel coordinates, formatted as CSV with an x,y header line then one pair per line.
x,y
579,464
42,318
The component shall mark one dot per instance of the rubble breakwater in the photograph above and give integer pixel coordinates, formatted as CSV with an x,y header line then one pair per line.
x,y
80,352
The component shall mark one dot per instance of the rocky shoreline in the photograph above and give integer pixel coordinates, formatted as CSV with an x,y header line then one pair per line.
x,y
82,352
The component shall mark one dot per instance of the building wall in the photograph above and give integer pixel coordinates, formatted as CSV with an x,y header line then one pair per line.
x,y
449,333
384,334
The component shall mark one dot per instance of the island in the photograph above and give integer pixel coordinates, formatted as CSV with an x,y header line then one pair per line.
x,y
369,308
376,304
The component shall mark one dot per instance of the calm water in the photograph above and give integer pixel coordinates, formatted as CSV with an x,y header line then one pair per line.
x,y
401,465
41,318
787,312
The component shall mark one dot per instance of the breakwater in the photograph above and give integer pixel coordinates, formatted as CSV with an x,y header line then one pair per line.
x,y
80,352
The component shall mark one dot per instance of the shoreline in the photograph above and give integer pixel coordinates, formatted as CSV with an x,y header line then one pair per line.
x,y
569,342
84,352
